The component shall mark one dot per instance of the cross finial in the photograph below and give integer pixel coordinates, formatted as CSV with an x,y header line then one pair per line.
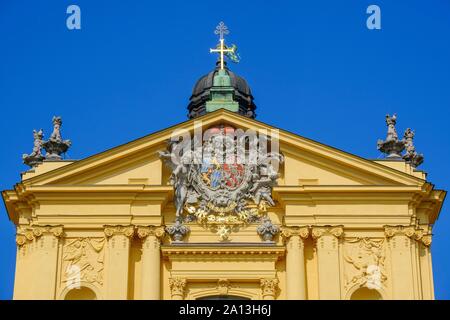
x,y
221,30
221,48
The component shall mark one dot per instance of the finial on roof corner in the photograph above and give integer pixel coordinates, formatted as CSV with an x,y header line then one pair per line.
x,y
55,145
393,147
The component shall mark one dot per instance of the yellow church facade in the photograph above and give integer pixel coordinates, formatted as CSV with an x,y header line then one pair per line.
x,y
339,215
232,208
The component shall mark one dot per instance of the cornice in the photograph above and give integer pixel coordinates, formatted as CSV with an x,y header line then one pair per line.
x,y
203,250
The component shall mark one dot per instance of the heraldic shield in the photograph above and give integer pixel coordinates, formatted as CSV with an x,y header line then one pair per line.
x,y
226,180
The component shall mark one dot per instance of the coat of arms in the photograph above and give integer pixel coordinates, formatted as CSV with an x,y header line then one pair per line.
x,y
227,180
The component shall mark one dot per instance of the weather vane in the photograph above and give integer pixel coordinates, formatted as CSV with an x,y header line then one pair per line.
x,y
222,49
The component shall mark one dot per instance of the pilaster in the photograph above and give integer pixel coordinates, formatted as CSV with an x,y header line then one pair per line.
x,y
37,261
118,254
400,241
151,237
327,245
295,262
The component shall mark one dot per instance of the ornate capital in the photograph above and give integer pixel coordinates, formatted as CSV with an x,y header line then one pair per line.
x,y
127,231
336,231
35,232
302,232
145,231
269,287
408,231
177,286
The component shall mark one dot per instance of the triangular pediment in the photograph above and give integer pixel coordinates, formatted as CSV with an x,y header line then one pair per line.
x,y
307,162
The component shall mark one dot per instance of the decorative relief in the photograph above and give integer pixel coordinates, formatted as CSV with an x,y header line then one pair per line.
x,y
366,262
83,260
410,232
177,286
269,286
223,286
29,234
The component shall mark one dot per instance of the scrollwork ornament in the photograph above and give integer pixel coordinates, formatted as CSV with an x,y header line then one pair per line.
x,y
426,240
34,232
20,239
145,231
336,231
57,231
37,231
29,235
127,231
302,232
408,231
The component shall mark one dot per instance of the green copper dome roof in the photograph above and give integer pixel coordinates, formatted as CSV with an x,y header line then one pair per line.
x,y
202,93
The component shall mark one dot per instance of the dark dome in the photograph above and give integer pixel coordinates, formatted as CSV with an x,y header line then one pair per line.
x,y
201,94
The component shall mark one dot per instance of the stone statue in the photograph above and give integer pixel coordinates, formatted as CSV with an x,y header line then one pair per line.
x,y
392,147
56,146
35,156
392,132
264,181
411,156
180,177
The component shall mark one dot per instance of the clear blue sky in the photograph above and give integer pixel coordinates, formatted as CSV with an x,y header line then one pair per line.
x,y
314,68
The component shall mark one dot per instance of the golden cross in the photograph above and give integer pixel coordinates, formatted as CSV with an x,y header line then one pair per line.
x,y
221,48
